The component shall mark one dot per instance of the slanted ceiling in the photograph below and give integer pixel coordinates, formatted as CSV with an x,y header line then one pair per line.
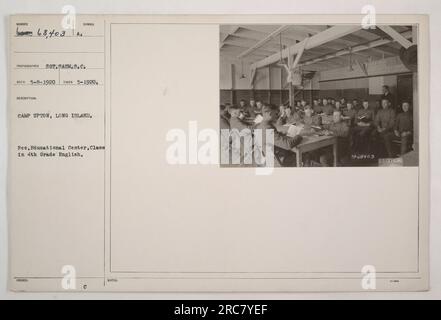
x,y
235,40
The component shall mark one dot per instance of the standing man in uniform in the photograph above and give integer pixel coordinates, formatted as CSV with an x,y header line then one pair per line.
x,y
385,124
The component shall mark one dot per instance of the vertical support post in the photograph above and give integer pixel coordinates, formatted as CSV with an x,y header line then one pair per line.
x,y
281,86
233,83
269,84
252,76
291,95
290,86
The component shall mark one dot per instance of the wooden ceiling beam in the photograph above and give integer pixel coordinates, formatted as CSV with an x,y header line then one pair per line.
x,y
314,41
230,30
263,41
355,49
396,36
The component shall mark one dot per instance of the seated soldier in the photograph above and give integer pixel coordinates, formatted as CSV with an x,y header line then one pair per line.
x,y
349,114
281,120
338,106
297,106
384,125
339,128
259,107
404,127
280,147
328,109
241,137
286,116
249,110
242,105
316,107
355,104
303,104
224,119
310,119
292,117
235,121
364,120
332,102
343,102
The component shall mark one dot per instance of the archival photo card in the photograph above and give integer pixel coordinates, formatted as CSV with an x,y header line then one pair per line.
x,y
167,153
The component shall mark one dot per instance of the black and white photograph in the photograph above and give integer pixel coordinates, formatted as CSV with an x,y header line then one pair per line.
x,y
332,95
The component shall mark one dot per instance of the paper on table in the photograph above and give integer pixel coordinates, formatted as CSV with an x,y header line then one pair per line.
x,y
294,130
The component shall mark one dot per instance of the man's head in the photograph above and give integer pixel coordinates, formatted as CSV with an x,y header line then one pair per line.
x,y
287,111
336,116
405,106
325,102
355,102
227,108
308,111
365,104
252,102
349,106
282,109
222,109
384,103
269,112
303,103
337,105
259,104
315,102
385,89
343,101
242,103
234,111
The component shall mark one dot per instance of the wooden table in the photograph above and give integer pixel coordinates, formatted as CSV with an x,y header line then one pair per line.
x,y
314,142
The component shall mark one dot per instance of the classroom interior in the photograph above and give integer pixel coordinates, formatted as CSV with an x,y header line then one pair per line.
x,y
285,64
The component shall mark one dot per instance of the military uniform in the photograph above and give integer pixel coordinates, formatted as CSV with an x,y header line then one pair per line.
x,y
241,142
385,119
293,118
224,123
365,115
360,133
404,123
317,109
224,139
328,109
282,144
236,123
350,113
249,111
315,120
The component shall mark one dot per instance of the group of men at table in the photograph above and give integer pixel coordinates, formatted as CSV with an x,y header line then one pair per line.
x,y
355,126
